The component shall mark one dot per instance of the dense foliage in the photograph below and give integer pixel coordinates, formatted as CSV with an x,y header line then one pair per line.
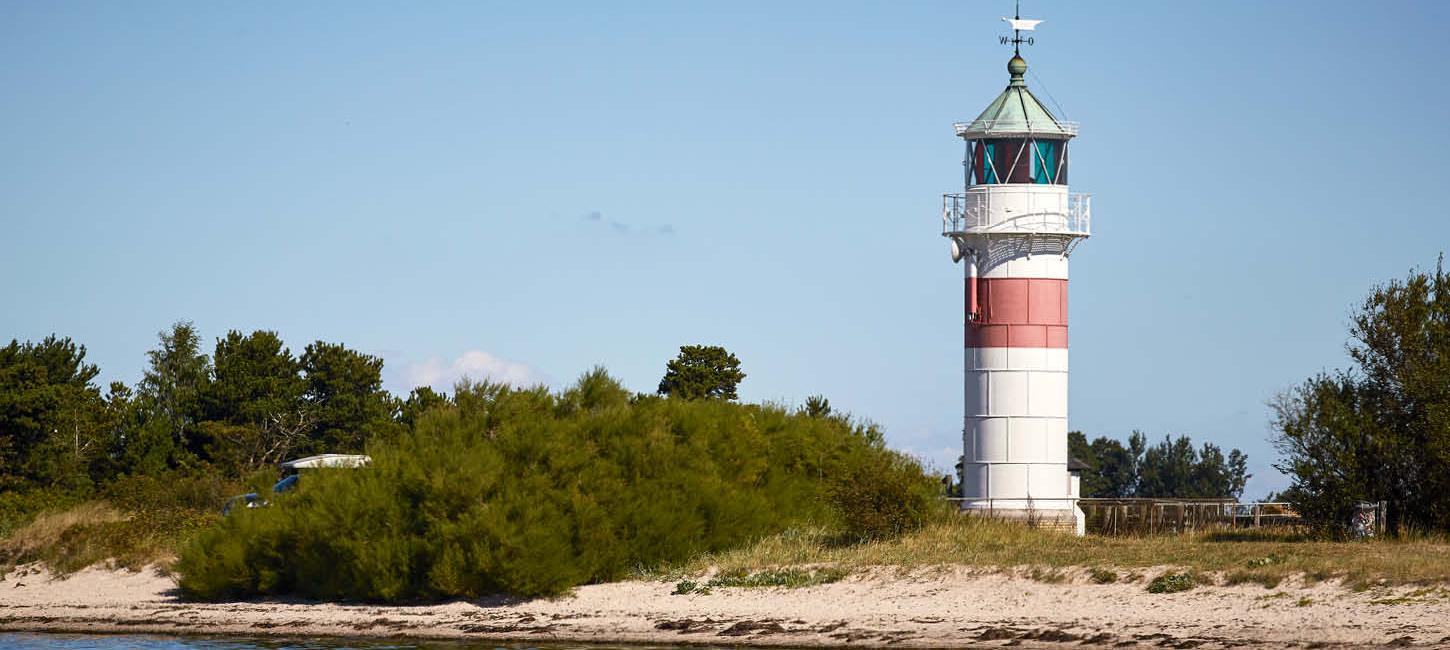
x,y
1172,468
1380,431
523,491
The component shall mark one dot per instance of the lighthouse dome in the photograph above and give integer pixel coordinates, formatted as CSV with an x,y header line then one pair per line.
x,y
1016,113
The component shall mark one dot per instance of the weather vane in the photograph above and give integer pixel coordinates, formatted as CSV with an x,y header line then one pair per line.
x,y
1018,26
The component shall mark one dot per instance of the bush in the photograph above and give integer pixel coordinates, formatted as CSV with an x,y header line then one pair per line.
x,y
1170,583
882,495
531,493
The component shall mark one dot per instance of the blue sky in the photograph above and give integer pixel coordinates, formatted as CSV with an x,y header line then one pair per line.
x,y
529,189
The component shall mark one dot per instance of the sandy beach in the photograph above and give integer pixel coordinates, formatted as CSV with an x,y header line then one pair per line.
x,y
939,608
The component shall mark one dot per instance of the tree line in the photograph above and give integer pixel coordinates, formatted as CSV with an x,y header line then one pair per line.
x,y
251,402
1171,468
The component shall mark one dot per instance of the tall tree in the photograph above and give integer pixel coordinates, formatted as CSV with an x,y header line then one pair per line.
x,y
345,391
1381,431
50,412
173,383
254,404
702,372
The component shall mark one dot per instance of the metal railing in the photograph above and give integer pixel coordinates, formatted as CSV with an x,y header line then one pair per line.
x,y
971,213
1014,127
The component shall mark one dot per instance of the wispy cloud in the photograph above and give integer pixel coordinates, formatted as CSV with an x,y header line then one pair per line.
x,y
441,374
622,228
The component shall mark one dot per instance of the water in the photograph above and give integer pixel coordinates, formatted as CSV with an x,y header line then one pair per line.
x,y
36,641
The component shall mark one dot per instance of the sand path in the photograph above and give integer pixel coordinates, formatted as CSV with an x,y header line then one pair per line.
x,y
925,609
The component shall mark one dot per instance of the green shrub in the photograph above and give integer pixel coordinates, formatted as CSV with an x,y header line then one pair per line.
x,y
531,493
1170,583
1102,576
882,494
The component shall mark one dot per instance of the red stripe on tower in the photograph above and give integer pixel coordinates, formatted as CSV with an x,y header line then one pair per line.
x,y
1018,313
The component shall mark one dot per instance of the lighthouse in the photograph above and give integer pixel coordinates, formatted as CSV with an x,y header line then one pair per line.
x,y
1013,227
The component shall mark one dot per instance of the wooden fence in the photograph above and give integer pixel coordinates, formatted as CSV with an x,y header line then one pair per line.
x,y
1179,516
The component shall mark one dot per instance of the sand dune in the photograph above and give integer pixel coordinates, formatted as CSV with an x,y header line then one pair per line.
x,y
947,607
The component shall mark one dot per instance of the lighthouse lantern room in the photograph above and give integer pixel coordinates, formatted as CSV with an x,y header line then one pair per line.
x,y
1013,227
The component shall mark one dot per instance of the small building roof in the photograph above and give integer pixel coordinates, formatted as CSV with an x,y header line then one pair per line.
x,y
1075,465
1016,112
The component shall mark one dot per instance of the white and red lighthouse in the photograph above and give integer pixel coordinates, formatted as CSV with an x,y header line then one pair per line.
x,y
1013,228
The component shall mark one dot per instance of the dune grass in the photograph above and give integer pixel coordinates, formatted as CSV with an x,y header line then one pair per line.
x,y
1265,558
98,533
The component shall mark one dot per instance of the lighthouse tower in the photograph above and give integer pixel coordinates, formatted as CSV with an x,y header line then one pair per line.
x,y
1013,227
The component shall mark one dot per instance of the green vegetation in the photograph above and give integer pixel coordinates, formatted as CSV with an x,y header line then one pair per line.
x,y
1172,468
531,493
1379,432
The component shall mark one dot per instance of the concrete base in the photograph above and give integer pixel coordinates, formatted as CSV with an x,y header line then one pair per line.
x,y
1067,521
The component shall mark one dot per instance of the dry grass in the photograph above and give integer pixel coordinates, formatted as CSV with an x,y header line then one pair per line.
x,y
48,529
1263,558
97,533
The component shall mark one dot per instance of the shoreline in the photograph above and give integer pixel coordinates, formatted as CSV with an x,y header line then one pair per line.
x,y
946,607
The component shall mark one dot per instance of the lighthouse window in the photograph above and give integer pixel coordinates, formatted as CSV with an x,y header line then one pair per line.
x,y
1044,161
1036,162
983,156
1048,166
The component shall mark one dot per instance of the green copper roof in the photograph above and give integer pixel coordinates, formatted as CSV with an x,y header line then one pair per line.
x,y
1016,112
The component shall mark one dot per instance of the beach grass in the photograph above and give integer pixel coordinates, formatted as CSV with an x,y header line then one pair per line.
x,y
1255,557
99,533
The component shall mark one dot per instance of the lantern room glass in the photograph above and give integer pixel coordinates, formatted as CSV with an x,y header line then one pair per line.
x,y
1025,161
